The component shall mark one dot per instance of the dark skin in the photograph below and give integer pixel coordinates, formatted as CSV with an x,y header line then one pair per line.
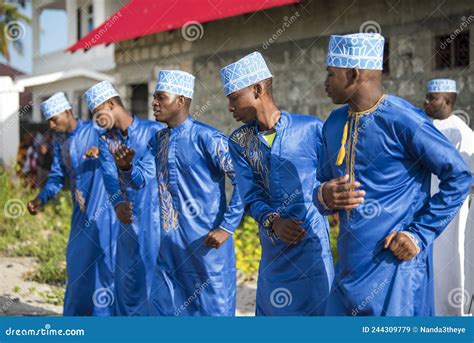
x,y
64,122
361,89
172,110
111,114
255,102
439,105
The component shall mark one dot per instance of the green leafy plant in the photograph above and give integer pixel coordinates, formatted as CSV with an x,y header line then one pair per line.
x,y
43,236
247,247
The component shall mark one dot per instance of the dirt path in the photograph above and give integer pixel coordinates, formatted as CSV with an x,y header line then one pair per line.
x,y
19,297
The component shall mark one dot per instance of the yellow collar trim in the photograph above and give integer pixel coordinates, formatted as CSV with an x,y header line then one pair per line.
x,y
370,110
342,150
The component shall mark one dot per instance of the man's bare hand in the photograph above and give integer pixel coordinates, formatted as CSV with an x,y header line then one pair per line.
x,y
216,238
124,157
337,194
34,206
289,230
401,246
124,212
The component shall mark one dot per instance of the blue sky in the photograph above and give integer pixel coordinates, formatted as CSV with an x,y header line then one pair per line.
x,y
53,37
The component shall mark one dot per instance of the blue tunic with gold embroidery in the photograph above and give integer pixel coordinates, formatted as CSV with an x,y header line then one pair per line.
x,y
293,280
90,254
190,163
392,152
138,243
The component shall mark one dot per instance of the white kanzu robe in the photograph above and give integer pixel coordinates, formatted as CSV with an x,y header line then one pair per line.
x,y
453,250
469,261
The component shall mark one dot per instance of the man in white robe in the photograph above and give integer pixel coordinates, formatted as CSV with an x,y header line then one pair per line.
x,y
453,257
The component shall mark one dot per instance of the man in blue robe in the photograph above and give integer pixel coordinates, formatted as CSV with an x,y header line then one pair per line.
x,y
139,235
195,273
90,251
379,152
275,156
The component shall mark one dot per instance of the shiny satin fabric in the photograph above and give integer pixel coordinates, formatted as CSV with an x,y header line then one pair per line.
x,y
138,243
190,163
90,254
293,280
397,150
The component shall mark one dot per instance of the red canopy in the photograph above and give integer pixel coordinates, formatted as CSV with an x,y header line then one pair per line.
x,y
139,18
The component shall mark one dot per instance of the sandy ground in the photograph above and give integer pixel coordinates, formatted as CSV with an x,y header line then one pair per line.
x,y
246,293
19,297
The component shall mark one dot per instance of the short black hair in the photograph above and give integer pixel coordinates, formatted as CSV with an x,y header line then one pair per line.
x,y
268,86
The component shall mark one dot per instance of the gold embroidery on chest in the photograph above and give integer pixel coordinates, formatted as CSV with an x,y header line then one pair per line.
x,y
169,216
249,142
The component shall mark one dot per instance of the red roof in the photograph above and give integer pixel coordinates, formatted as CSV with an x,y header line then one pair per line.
x,y
139,18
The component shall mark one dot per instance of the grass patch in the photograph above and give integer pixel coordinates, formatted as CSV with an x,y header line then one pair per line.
x,y
43,236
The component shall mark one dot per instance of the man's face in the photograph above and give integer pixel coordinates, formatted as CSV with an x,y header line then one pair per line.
x,y
242,104
336,84
103,115
60,123
435,105
165,106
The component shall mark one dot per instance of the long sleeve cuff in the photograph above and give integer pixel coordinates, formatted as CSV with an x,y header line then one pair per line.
x,y
43,198
319,201
414,240
117,198
226,230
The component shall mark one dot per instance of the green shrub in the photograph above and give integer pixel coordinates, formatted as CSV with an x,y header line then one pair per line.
x,y
248,250
43,236
247,247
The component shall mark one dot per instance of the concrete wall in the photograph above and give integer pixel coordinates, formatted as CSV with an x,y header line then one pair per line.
x,y
294,42
9,120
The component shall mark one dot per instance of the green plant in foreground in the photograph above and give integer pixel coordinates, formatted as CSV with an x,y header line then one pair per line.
x,y
43,236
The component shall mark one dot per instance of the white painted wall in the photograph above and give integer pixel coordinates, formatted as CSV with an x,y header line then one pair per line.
x,y
9,120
